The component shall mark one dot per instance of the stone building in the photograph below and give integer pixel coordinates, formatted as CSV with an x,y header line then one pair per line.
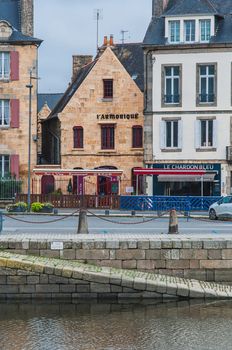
x,y
93,138
18,56
188,116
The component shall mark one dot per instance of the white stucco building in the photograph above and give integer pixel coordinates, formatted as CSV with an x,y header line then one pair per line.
x,y
188,96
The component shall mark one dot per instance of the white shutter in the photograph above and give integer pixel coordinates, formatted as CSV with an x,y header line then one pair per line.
x,y
162,134
215,133
180,134
197,134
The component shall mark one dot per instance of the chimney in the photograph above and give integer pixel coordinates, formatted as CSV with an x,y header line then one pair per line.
x,y
79,61
27,17
158,7
111,40
105,42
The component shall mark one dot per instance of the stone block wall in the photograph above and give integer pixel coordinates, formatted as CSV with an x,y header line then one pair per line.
x,y
206,260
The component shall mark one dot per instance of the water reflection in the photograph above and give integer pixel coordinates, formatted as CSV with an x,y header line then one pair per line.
x,y
100,326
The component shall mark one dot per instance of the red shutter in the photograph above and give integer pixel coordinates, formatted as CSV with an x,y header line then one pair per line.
x,y
14,166
14,113
14,65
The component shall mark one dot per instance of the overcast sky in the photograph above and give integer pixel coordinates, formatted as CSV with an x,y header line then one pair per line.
x,y
68,27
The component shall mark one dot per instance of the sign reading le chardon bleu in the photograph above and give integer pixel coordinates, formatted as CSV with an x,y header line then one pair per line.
x,y
117,116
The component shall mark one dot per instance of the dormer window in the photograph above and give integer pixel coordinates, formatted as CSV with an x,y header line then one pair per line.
x,y
189,31
174,31
205,29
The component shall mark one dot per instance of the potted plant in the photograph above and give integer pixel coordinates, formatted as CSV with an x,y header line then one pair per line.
x,y
19,207
38,207
47,208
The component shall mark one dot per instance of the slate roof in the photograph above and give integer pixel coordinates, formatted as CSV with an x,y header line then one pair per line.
x,y
50,99
10,12
222,9
131,57
184,7
82,74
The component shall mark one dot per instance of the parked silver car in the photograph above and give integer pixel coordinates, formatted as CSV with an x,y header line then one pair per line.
x,y
221,208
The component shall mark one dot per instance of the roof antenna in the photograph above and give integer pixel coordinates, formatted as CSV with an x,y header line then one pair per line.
x,y
123,32
98,15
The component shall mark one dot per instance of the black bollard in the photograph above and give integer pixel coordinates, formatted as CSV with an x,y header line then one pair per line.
x,y
83,223
173,223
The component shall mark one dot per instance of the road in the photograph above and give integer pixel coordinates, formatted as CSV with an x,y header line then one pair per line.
x,y
123,225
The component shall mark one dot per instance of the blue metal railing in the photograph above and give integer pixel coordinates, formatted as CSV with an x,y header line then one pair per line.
x,y
163,203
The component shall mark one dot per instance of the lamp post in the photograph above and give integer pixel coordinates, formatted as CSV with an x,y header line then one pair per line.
x,y
30,87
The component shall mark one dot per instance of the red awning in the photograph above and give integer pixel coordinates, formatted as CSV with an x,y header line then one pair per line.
x,y
175,172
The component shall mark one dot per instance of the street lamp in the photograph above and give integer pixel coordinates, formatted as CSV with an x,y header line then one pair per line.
x,y
30,87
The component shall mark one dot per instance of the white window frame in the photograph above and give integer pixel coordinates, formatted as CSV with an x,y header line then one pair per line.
x,y
207,76
4,75
201,23
208,144
171,77
2,113
191,30
163,134
198,143
3,158
170,23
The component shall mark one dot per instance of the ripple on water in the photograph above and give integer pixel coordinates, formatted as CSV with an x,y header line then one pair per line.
x,y
170,326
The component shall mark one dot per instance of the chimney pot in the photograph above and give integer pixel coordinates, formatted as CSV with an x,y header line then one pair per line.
x,y
111,40
105,43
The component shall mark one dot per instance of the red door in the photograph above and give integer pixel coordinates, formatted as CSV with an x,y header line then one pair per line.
x,y
47,184
107,185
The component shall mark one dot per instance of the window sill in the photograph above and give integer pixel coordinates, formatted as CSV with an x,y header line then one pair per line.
x,y
171,150
107,151
7,80
5,127
167,105
78,149
136,149
206,104
206,149
107,99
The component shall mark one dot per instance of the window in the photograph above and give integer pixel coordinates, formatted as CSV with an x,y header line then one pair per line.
x,y
205,30
190,30
107,136
108,88
174,31
171,134
207,83
4,113
137,136
172,85
4,166
78,137
206,133
4,65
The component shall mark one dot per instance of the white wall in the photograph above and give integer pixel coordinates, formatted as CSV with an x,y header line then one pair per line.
x,y
189,62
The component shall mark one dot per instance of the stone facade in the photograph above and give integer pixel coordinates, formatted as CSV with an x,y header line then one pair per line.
x,y
88,109
14,141
27,17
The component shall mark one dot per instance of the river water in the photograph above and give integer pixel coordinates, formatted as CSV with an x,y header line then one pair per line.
x,y
101,326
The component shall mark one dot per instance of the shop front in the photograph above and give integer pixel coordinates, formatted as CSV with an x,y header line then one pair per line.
x,y
186,184
179,179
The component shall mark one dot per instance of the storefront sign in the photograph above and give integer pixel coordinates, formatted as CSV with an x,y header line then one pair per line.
x,y
117,116
206,167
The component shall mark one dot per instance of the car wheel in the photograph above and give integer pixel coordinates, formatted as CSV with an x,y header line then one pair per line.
x,y
212,214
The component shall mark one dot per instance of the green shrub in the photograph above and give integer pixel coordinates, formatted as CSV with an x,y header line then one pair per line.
x,y
37,207
48,205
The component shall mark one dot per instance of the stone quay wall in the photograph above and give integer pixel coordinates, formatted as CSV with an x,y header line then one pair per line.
x,y
29,277
206,260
